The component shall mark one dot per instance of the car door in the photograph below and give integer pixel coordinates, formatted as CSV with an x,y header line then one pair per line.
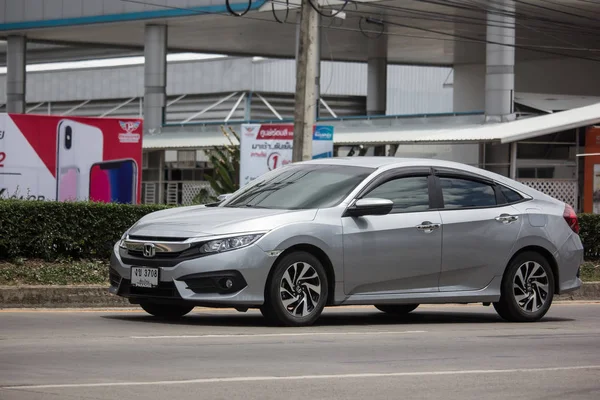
x,y
480,230
398,252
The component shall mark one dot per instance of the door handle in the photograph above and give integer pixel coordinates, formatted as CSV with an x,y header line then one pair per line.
x,y
428,227
507,219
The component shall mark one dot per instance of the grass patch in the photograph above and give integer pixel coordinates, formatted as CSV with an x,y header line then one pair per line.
x,y
590,271
37,272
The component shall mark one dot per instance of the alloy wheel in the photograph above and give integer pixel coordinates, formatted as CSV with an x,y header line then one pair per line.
x,y
300,289
530,286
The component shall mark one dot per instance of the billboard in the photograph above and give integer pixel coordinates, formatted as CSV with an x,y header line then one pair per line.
x,y
591,185
265,147
70,158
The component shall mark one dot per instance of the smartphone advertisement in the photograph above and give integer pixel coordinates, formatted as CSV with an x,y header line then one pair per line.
x,y
70,158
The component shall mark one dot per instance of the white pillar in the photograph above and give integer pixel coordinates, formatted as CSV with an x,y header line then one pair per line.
x,y
500,63
15,74
513,160
155,77
377,76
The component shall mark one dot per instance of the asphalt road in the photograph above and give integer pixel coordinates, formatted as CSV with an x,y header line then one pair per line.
x,y
438,352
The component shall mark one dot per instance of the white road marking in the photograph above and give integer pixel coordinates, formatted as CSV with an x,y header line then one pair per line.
x,y
258,335
303,377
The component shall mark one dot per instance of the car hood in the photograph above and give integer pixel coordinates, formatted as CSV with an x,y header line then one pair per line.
x,y
197,221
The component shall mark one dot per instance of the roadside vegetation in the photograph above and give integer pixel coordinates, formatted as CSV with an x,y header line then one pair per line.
x,y
54,243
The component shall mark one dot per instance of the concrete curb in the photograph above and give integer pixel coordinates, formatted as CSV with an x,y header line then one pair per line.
x,y
589,291
98,296
59,297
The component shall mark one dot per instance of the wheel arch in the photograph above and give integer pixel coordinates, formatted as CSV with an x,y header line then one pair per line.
x,y
323,258
544,252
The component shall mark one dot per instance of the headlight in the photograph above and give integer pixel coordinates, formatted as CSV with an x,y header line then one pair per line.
x,y
122,240
231,243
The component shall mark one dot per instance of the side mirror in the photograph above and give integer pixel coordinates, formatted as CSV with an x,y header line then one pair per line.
x,y
370,206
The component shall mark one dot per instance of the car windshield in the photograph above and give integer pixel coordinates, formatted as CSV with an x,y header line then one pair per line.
x,y
300,186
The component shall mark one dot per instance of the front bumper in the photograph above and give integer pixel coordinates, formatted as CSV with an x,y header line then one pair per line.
x,y
200,281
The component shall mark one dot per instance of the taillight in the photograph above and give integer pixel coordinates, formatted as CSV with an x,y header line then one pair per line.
x,y
571,217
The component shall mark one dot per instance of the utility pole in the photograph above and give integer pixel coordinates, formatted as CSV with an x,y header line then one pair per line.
x,y
306,74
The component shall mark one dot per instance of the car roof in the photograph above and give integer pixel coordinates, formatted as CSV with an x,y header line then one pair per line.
x,y
383,162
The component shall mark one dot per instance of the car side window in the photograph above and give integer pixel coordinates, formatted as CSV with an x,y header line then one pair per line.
x,y
466,193
510,195
409,194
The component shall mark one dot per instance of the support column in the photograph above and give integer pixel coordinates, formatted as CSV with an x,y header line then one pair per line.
x,y
318,69
155,77
500,63
377,81
305,98
15,74
513,160
161,177
377,76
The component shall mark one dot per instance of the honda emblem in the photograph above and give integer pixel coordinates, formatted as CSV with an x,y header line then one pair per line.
x,y
149,250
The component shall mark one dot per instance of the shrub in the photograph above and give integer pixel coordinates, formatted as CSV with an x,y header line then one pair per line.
x,y
52,231
590,235
49,230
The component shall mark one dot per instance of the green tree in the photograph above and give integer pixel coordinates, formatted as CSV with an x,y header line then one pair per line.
x,y
225,161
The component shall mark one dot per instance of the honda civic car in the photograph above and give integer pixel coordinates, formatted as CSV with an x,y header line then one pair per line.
x,y
383,231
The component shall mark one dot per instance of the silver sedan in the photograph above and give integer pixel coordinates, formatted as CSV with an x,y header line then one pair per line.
x,y
382,231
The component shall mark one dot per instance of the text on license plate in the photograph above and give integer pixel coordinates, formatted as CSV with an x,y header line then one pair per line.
x,y
144,277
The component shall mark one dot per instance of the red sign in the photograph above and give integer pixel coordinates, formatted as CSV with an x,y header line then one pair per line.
x,y
70,158
276,132
591,186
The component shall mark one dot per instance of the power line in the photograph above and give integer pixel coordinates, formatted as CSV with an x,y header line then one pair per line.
x,y
491,42
455,37
557,11
517,14
544,33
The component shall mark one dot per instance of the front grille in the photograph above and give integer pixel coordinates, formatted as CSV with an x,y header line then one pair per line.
x,y
160,259
157,256
158,238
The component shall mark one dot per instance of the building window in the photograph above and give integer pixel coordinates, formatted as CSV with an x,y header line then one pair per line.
x,y
535,173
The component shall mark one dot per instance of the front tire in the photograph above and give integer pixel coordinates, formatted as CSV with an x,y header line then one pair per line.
x,y
297,291
166,311
396,309
527,289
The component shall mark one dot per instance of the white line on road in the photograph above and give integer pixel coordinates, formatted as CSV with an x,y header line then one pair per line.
x,y
303,377
258,335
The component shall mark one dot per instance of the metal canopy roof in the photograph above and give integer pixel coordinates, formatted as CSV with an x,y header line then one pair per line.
x,y
505,132
419,32
180,140
554,102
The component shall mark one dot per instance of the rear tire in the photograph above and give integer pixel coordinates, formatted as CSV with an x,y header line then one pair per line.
x,y
396,309
527,289
296,292
166,311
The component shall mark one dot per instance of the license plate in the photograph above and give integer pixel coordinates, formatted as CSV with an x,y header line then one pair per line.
x,y
144,277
